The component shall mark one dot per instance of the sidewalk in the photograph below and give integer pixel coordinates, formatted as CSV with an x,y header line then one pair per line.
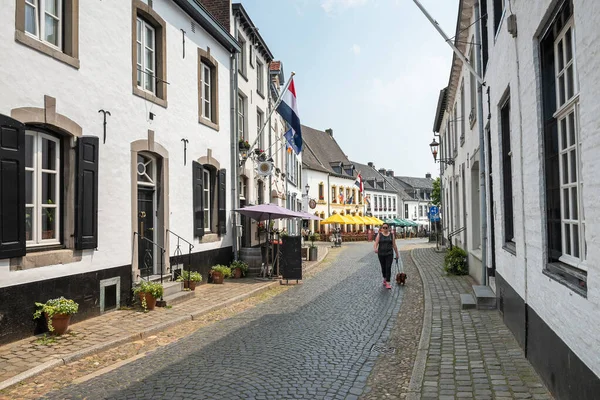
x,y
26,358
465,353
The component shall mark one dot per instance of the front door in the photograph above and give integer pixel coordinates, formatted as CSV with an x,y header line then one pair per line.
x,y
146,214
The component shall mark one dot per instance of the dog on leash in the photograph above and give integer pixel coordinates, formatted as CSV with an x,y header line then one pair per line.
x,y
401,278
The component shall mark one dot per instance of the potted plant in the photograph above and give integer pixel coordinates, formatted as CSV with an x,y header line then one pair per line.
x,y
192,277
58,313
148,292
239,269
244,145
313,250
220,272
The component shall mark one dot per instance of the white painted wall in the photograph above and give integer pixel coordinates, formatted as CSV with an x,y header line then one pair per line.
x,y
104,82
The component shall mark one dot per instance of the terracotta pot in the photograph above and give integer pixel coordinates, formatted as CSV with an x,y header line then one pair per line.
x,y
60,323
237,273
150,300
192,285
217,277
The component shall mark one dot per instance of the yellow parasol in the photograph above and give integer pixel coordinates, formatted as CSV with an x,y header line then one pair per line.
x,y
336,219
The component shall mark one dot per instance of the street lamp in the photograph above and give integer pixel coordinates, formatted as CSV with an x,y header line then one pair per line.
x,y
306,188
434,151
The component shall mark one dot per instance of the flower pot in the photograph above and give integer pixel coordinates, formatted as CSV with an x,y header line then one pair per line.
x,y
237,273
48,234
60,323
217,277
191,286
150,300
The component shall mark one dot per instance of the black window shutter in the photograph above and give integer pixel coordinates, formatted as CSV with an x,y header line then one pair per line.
x,y
12,188
198,184
86,193
222,217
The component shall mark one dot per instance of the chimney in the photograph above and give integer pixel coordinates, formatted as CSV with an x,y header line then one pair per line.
x,y
329,131
428,175
220,10
390,173
382,171
370,164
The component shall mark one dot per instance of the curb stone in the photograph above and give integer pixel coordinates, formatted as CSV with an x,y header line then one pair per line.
x,y
78,355
416,380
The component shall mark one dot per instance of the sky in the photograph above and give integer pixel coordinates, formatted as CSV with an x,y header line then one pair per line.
x,y
371,70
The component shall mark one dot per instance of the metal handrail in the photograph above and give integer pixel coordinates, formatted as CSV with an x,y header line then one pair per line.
x,y
190,247
454,233
162,250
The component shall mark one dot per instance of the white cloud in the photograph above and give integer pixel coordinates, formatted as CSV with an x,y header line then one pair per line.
x,y
355,49
331,5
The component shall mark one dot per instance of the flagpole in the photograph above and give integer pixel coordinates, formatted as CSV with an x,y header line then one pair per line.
x,y
272,111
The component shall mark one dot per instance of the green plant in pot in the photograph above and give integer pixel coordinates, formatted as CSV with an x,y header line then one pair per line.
x,y
148,292
219,272
455,262
58,313
192,277
239,269
313,251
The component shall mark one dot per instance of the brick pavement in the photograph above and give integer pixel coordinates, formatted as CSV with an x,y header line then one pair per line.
x,y
29,357
465,353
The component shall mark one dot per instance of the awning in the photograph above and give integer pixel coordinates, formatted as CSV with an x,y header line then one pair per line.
x,y
335,219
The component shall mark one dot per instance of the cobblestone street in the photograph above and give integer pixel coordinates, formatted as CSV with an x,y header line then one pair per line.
x,y
319,340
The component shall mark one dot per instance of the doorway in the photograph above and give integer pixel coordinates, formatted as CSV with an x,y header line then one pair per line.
x,y
147,213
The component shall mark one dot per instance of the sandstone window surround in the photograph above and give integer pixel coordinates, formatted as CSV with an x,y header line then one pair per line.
x,y
208,89
157,91
51,29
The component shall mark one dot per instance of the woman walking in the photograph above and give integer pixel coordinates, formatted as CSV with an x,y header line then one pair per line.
x,y
385,246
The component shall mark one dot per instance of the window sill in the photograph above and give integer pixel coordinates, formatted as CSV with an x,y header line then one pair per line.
x,y
43,258
208,123
510,247
149,96
572,278
48,50
209,238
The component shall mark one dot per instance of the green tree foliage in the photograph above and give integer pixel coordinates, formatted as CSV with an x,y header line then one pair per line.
x,y
436,198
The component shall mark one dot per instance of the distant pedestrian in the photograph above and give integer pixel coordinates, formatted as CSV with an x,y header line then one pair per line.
x,y
385,246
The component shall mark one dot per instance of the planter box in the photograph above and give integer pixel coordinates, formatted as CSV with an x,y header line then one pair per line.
x,y
313,253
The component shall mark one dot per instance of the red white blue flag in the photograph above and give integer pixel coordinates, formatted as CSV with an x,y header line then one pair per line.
x,y
288,109
359,182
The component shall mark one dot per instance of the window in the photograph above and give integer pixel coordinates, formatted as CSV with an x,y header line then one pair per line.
x,y
455,129
48,26
242,56
507,171
260,78
564,209
241,117
146,56
259,125
206,200
333,195
321,191
43,20
498,12
149,59
251,54
406,211
484,35
42,188
462,113
208,90
473,86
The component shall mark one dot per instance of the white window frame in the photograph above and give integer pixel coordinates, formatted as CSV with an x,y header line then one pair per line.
x,y
147,75
40,12
38,205
569,151
260,77
259,123
241,117
206,193
242,55
206,92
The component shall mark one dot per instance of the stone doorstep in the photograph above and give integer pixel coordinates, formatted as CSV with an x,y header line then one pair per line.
x,y
467,302
179,297
485,296
171,288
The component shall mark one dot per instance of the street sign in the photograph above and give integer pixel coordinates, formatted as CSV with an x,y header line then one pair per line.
x,y
433,210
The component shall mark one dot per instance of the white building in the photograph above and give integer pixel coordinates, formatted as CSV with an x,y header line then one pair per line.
x,y
81,199
541,68
382,198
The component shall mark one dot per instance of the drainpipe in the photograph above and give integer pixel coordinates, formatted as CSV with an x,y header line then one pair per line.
x,y
235,148
482,169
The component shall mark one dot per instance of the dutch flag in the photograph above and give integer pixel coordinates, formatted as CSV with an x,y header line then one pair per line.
x,y
288,109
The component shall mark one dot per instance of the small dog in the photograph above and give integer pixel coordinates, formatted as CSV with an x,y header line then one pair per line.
x,y
401,278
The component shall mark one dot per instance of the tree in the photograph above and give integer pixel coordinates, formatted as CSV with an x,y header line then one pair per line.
x,y
436,198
